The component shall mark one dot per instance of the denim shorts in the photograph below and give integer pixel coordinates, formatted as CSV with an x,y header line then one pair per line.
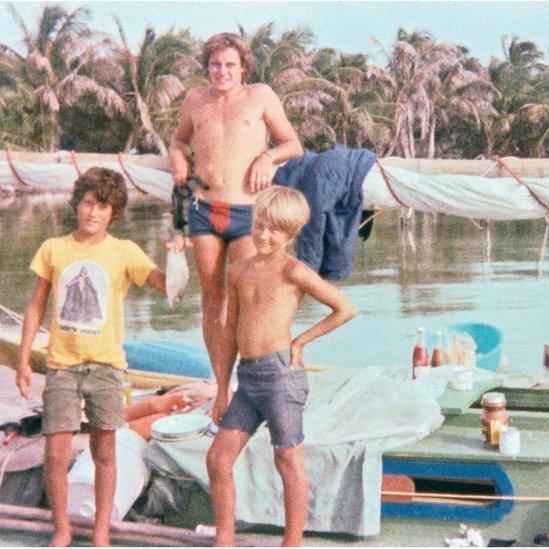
x,y
272,390
227,221
99,385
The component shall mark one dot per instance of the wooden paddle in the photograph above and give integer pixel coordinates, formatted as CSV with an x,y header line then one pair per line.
x,y
397,483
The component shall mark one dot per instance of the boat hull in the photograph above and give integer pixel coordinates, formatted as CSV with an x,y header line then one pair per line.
x,y
151,364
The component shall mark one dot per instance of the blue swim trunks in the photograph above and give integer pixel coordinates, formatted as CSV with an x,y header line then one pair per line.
x,y
269,389
227,221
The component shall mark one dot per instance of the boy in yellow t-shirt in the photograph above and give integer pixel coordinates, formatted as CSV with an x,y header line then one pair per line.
x,y
87,273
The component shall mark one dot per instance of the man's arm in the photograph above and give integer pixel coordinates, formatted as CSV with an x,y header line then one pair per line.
x,y
157,280
312,284
288,145
179,150
229,349
34,315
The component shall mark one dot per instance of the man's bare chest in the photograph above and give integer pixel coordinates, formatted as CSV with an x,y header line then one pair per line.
x,y
213,118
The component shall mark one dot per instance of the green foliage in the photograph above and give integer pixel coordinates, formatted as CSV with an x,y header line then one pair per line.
x,y
77,90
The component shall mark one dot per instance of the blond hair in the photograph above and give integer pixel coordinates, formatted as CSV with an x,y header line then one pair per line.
x,y
283,208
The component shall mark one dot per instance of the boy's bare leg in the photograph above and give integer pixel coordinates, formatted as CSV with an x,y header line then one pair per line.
x,y
209,254
226,447
289,463
56,463
102,447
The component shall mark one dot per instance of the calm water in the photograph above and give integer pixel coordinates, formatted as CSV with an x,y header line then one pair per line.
x,y
447,279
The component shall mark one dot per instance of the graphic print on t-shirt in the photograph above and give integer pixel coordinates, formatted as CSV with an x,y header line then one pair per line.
x,y
82,298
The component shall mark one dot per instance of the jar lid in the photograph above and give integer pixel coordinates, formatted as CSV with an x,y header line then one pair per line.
x,y
493,398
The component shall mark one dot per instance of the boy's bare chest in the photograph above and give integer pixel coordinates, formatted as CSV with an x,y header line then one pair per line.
x,y
266,289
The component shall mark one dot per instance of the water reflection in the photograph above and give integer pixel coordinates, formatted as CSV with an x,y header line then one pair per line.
x,y
433,275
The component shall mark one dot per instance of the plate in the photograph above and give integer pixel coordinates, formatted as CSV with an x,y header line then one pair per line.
x,y
160,438
519,381
180,425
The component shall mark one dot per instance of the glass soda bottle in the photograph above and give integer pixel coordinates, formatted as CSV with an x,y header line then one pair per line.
x,y
420,357
437,358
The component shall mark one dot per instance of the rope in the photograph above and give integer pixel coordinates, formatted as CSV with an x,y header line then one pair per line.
x,y
483,174
464,496
386,179
17,317
127,175
73,161
520,182
544,241
374,215
475,223
13,170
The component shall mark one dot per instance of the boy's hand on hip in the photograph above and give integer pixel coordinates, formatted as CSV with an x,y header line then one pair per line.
x,y
219,407
23,380
296,354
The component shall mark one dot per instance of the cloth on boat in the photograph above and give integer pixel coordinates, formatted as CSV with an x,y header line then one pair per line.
x,y
350,419
462,195
332,183
55,177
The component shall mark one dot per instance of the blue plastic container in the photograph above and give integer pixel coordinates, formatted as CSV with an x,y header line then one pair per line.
x,y
488,340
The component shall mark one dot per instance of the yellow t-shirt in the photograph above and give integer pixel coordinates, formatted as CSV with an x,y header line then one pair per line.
x,y
88,285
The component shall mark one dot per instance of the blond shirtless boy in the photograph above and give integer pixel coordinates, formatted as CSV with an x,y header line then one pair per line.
x,y
227,124
264,292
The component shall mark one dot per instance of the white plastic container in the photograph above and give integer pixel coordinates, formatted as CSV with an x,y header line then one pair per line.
x,y
132,474
509,441
462,378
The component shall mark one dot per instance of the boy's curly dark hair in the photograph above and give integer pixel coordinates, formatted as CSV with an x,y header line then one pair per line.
x,y
107,186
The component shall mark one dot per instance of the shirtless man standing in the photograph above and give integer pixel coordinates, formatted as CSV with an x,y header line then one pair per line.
x,y
227,123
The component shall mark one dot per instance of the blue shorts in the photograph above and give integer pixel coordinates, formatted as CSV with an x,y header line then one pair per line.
x,y
272,390
227,221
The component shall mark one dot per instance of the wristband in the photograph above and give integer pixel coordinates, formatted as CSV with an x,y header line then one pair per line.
x,y
266,153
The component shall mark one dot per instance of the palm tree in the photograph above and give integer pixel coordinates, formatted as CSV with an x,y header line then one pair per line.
x,y
429,83
522,80
55,69
153,80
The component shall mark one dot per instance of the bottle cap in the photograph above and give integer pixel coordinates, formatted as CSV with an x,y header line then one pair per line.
x,y
420,329
493,398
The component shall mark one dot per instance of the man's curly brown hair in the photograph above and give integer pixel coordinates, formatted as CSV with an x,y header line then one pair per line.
x,y
225,40
107,186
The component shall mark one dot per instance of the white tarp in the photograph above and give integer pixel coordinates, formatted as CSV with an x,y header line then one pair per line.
x,y
60,177
461,195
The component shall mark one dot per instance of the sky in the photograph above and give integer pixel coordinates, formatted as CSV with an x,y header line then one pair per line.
x,y
346,26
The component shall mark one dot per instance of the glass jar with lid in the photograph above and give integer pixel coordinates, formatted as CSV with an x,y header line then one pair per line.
x,y
494,417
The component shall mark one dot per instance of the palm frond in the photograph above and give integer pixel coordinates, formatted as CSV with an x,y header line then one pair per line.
x,y
47,98
38,67
167,88
29,41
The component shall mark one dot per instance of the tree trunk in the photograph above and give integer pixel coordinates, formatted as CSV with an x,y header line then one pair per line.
x,y
431,148
132,138
411,141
